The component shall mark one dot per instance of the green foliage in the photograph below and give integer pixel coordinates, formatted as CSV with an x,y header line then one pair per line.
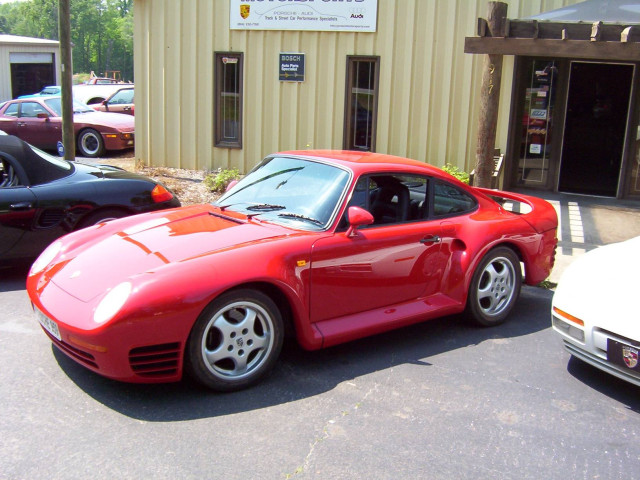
x,y
101,31
456,172
217,182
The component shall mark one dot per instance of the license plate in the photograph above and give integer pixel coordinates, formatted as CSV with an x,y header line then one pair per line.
x,y
48,324
627,356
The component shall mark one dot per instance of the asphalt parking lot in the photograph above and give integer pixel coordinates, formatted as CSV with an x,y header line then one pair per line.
x,y
439,400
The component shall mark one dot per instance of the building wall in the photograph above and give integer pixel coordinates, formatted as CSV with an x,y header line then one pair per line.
x,y
5,66
428,103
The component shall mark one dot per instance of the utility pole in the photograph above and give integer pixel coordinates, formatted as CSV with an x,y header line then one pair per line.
x,y
489,98
64,36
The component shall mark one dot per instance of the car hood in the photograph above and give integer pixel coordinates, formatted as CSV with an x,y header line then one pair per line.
x,y
125,123
600,287
97,261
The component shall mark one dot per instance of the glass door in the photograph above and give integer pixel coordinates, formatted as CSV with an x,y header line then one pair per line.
x,y
537,123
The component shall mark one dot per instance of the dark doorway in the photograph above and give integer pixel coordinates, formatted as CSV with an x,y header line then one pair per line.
x,y
595,126
28,78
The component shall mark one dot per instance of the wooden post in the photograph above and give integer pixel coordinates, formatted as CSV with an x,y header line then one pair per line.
x,y
64,36
489,99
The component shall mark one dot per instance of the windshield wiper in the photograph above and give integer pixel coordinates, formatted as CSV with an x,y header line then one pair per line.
x,y
265,207
297,216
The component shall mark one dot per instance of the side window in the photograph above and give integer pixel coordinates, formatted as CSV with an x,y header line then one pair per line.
x,y
228,100
449,200
31,109
12,110
392,199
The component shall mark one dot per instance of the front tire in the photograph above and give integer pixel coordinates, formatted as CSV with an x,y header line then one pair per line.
x,y
236,341
495,287
90,143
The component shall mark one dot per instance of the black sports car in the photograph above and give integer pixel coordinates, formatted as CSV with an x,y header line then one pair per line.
x,y
44,197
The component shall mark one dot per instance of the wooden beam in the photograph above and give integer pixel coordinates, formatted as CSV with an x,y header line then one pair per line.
x,y
489,98
553,48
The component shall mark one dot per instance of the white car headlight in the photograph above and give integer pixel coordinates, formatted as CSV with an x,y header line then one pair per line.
x,y
112,302
45,258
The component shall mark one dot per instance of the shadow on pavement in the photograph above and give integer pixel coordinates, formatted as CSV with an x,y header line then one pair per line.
x,y
300,374
621,391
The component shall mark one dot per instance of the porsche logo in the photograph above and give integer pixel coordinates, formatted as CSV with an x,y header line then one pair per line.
x,y
244,11
630,356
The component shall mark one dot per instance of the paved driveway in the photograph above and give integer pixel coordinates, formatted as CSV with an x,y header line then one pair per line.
x,y
439,400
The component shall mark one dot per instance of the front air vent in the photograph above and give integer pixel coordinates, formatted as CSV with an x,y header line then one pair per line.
x,y
155,360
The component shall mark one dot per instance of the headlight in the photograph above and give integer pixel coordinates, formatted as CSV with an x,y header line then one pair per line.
x,y
112,302
45,258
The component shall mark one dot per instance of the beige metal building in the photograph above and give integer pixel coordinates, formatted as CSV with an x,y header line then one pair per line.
x,y
27,64
210,93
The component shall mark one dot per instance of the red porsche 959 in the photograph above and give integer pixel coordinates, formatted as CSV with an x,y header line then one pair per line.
x,y
329,246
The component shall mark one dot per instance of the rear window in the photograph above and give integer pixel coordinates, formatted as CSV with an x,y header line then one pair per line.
x,y
449,200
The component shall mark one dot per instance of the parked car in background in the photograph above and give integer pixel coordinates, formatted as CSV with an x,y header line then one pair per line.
x,y
598,320
329,246
101,81
43,197
38,120
50,90
96,94
120,102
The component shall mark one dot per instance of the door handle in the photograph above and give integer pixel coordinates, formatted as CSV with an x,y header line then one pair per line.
x,y
431,239
21,206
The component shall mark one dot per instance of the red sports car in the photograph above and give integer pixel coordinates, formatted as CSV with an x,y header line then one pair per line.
x,y
329,246
38,121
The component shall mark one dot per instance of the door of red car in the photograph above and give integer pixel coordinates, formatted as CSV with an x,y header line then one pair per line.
x,y
381,266
37,126
395,260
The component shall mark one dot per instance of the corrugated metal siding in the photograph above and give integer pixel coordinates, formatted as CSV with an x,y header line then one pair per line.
x,y
428,103
5,65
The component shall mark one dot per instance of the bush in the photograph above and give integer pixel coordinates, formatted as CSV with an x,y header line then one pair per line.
x,y
456,172
217,182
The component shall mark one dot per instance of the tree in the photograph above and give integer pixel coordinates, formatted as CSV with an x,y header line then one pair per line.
x,y
101,30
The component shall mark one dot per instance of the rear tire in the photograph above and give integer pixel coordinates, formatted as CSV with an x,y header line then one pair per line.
x,y
236,341
495,287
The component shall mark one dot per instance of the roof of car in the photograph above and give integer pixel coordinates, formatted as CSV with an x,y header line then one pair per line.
x,y
355,160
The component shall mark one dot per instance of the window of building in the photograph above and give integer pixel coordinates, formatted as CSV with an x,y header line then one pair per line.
x,y
361,103
228,99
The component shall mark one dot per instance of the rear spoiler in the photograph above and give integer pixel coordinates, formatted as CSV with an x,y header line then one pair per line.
x,y
541,215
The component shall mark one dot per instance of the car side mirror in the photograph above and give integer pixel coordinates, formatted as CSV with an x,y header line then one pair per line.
x,y
42,115
232,184
357,217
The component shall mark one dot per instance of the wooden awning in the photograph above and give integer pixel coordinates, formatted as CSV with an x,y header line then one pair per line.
x,y
597,40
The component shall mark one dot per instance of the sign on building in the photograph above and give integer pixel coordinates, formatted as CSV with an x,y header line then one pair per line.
x,y
291,67
312,15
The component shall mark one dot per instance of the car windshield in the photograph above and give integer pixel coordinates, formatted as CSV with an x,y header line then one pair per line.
x,y
293,191
55,104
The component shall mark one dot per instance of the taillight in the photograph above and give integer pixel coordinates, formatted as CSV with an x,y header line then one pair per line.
x,y
160,194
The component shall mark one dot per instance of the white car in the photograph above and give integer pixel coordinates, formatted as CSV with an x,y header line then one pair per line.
x,y
595,309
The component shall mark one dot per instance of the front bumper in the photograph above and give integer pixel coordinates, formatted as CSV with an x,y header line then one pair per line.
x,y
593,348
118,141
